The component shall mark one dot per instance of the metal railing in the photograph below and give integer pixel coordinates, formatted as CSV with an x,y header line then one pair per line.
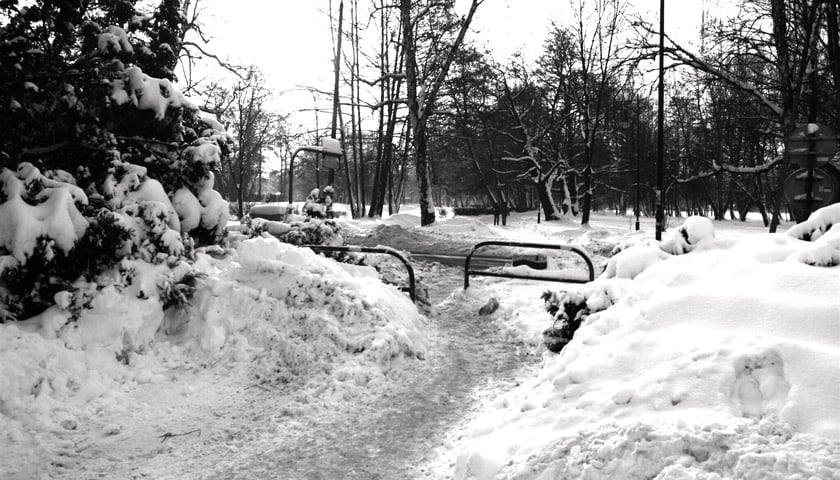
x,y
582,253
380,250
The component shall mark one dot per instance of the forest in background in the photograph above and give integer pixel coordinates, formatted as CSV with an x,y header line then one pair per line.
x,y
425,116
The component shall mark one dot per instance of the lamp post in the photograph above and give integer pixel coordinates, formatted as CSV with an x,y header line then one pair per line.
x,y
638,159
660,164
330,148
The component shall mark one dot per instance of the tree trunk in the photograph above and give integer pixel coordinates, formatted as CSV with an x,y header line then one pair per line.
x,y
544,195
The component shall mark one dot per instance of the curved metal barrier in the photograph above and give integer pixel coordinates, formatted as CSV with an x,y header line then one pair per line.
x,y
582,253
381,250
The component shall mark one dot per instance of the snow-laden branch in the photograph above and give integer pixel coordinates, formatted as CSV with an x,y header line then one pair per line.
x,y
395,101
386,76
683,56
717,168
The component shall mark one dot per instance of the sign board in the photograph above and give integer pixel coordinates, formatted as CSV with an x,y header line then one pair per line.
x,y
331,162
824,190
331,148
811,145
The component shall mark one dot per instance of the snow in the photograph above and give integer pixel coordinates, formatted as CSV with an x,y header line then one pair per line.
x,y
22,223
114,38
715,354
147,93
188,208
282,314
729,342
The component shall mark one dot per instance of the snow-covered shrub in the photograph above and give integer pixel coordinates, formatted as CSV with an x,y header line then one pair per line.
x,y
313,232
568,309
319,203
101,156
177,288
571,309
693,232
822,229
629,262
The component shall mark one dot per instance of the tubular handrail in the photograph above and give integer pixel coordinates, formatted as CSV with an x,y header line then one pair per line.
x,y
381,250
581,252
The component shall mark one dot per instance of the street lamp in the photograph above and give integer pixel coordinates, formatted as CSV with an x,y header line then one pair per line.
x,y
660,166
330,148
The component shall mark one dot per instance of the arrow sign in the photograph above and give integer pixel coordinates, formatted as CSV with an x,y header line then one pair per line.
x,y
824,187
811,145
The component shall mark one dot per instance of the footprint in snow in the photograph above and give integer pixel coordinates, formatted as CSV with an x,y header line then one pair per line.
x,y
759,383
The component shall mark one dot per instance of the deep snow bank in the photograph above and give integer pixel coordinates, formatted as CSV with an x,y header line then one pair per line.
x,y
318,331
722,362
304,316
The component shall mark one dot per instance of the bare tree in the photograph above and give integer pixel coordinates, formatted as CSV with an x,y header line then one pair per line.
x,y
781,35
254,128
421,95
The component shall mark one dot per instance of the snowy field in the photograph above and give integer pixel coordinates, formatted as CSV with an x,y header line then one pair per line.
x,y
713,355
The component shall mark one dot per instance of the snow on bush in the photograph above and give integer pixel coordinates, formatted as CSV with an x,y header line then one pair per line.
x,y
822,229
147,93
635,255
114,38
691,234
632,261
717,364
32,207
143,156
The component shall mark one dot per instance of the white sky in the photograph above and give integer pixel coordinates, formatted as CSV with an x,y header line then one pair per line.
x,y
290,41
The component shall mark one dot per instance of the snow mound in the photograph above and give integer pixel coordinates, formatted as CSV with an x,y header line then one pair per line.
x,y
286,318
302,318
693,233
403,220
632,261
823,229
463,225
731,337
768,450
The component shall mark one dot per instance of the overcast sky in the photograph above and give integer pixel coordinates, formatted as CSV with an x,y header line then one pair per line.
x,y
289,40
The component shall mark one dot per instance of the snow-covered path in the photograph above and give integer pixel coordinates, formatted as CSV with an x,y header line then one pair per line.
x,y
393,436
227,427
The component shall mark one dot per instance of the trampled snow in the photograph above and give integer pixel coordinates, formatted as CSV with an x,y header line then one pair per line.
x,y
720,362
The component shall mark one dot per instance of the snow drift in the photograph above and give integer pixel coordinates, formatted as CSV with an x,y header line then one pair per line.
x,y
720,362
321,331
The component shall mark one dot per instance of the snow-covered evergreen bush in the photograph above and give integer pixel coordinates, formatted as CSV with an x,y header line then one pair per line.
x,y
571,309
568,309
822,229
102,158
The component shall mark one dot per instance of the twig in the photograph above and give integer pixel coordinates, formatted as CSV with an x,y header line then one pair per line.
x,y
166,436
257,385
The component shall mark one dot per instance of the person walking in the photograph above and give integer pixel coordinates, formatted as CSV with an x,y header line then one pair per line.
x,y
496,212
505,211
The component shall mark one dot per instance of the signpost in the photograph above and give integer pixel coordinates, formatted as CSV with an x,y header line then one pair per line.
x,y
810,187
330,148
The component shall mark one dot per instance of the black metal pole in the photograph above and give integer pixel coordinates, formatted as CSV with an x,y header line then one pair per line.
x,y
809,179
337,65
292,173
660,166
638,159
292,166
